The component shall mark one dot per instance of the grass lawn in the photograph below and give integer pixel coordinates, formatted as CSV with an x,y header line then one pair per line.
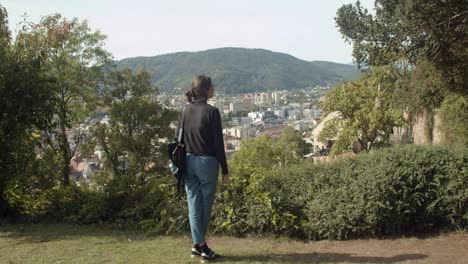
x,y
84,244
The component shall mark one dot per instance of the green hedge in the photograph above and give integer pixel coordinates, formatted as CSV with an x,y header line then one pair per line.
x,y
395,191
120,204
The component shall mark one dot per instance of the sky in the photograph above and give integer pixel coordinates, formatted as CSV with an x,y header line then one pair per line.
x,y
303,28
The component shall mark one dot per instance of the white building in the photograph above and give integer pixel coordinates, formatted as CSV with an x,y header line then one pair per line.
x,y
262,98
227,132
243,132
295,115
105,120
257,98
281,113
256,116
275,97
236,107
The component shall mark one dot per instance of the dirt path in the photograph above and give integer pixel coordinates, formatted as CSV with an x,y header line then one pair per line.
x,y
451,248
81,244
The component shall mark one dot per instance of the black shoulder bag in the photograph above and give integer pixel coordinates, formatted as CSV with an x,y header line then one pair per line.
x,y
176,151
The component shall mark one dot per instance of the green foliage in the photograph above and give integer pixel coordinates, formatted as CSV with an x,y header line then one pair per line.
x,y
149,207
132,141
51,73
399,190
368,33
239,70
367,110
454,116
74,59
244,206
394,191
292,140
425,88
426,39
30,190
26,106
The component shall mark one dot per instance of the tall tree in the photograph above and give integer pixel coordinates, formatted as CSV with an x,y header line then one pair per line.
x,y
26,104
75,58
133,141
367,110
410,30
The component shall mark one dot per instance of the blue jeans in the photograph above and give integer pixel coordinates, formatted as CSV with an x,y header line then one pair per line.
x,y
200,183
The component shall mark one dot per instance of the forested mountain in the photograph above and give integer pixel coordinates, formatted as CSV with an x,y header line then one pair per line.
x,y
239,70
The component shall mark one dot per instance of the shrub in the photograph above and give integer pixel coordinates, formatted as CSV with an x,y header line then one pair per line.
x,y
393,191
454,115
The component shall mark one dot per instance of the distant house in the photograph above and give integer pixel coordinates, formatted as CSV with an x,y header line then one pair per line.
x,y
256,117
243,131
105,120
328,142
274,132
318,144
80,167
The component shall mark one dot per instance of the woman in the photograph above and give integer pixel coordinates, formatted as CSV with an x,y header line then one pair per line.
x,y
203,139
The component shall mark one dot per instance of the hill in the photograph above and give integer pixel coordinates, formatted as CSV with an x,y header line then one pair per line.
x,y
239,70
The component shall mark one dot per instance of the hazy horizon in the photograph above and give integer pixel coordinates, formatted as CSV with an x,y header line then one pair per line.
x,y
303,29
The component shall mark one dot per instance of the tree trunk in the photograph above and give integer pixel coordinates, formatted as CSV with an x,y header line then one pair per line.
x,y
363,144
65,169
3,203
407,136
65,148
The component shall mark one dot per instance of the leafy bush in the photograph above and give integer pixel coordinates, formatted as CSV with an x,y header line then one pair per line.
x,y
245,206
394,191
454,115
149,206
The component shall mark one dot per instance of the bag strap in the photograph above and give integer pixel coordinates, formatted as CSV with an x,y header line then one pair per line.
x,y
181,179
181,124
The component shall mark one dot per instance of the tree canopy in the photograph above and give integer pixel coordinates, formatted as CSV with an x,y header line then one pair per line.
x,y
74,57
26,106
367,109
410,30
133,141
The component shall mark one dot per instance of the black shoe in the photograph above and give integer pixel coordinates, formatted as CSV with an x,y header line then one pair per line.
x,y
196,251
208,254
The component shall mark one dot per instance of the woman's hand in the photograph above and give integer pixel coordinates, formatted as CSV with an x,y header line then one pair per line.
x,y
226,179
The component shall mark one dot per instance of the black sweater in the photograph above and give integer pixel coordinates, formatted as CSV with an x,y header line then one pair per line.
x,y
203,134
